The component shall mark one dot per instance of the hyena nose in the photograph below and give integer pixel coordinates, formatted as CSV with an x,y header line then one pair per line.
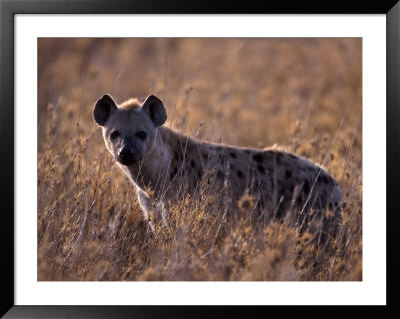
x,y
125,153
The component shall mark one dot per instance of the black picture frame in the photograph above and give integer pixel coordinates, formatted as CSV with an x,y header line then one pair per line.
x,y
8,10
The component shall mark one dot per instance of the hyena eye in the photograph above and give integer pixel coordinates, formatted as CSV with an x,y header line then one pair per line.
x,y
141,135
114,135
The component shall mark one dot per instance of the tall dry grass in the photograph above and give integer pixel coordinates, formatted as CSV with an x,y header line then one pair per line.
x,y
304,94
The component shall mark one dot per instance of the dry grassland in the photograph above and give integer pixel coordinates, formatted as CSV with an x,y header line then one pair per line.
x,y
304,94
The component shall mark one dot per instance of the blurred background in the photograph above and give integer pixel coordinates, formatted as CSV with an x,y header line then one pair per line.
x,y
250,92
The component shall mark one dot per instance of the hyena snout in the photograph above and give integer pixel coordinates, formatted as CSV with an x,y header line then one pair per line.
x,y
127,156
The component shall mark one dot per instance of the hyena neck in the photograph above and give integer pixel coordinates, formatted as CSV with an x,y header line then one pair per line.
x,y
151,171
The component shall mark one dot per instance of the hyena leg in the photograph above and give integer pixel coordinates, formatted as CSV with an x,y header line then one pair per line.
x,y
164,211
160,211
144,202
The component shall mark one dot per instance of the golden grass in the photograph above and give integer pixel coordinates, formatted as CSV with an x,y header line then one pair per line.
x,y
304,94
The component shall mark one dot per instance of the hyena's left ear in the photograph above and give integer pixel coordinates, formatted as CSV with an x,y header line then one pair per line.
x,y
103,109
155,109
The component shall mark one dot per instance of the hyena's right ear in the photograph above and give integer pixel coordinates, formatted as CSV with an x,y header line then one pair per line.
x,y
103,109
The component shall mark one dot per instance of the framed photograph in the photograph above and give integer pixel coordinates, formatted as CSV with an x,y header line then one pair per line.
x,y
165,155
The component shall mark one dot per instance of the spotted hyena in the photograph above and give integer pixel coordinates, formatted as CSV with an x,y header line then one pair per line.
x,y
157,160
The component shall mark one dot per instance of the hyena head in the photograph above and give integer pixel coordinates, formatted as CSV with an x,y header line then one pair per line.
x,y
129,130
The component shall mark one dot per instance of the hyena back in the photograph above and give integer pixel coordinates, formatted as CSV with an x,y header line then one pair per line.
x,y
157,158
